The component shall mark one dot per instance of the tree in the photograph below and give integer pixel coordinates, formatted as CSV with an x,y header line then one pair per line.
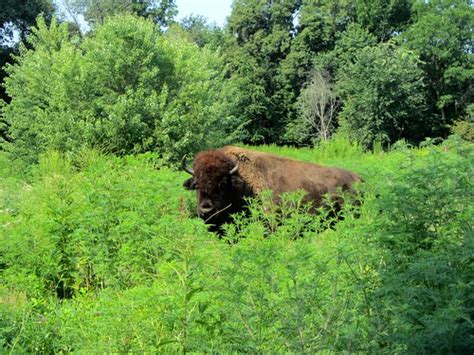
x,y
201,32
384,18
127,88
317,108
322,24
273,45
318,105
383,96
442,36
347,46
260,35
161,12
16,17
320,21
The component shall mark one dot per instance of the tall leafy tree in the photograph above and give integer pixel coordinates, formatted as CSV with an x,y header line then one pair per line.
x,y
319,22
260,38
16,17
318,25
384,18
383,96
274,44
322,23
126,88
442,35
348,44
346,48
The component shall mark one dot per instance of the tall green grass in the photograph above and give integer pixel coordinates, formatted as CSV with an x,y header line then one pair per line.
x,y
104,254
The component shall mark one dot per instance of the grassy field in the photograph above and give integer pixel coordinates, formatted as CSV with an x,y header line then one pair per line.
x,y
104,254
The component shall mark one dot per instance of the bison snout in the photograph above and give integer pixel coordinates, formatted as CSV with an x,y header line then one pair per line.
x,y
205,208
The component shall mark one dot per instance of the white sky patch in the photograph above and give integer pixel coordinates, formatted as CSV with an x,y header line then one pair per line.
x,y
214,10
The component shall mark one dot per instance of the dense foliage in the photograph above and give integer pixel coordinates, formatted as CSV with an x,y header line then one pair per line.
x,y
401,69
16,17
103,254
125,89
273,48
383,96
442,35
100,248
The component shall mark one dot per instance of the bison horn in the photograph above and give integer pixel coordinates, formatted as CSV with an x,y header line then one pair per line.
x,y
186,168
234,169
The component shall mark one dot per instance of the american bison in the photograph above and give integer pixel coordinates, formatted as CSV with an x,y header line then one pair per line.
x,y
225,177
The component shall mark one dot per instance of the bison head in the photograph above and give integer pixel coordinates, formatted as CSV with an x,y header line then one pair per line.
x,y
218,186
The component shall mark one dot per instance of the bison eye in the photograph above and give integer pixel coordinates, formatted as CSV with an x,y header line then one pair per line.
x,y
190,184
224,183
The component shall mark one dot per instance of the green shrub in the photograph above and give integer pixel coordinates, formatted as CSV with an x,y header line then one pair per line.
x,y
126,88
169,314
89,228
464,129
382,93
426,225
100,254
290,219
305,295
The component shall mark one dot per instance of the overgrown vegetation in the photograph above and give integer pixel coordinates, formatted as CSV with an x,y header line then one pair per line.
x,y
103,254
100,249
125,89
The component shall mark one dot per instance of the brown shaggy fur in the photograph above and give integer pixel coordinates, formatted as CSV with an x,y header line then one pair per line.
x,y
210,167
261,171
268,171
221,194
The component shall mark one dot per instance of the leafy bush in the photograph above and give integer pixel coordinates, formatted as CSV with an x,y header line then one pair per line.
x,y
127,88
464,129
291,218
427,284
100,253
382,94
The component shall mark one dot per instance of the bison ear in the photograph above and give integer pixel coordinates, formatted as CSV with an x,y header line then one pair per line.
x,y
189,184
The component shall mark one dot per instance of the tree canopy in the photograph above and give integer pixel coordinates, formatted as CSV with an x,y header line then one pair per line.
x,y
127,88
269,50
273,47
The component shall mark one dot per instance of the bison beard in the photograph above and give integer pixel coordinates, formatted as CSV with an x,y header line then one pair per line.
x,y
224,178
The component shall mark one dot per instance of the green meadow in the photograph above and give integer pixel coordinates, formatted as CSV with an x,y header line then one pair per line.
x,y
101,249
104,254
